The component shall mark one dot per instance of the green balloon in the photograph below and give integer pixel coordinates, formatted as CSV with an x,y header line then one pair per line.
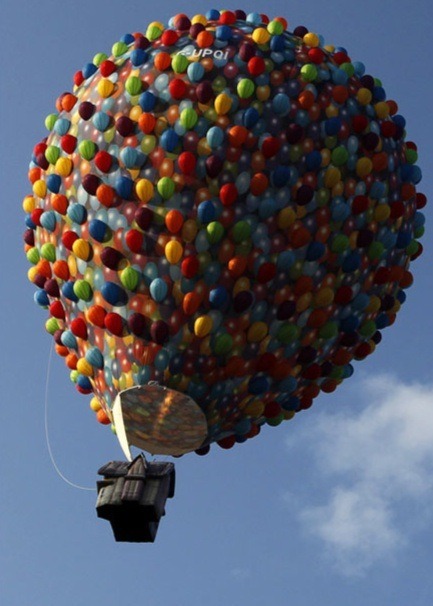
x,y
348,68
33,255
245,88
48,252
50,120
52,325
375,251
223,344
133,85
215,232
274,421
339,243
153,32
412,247
368,328
275,28
83,290
411,156
166,187
129,278
87,149
52,153
328,330
309,72
188,118
99,58
241,231
119,48
179,64
337,372
339,156
287,333
73,375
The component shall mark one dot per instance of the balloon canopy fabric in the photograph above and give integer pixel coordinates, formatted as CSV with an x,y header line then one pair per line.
x,y
222,219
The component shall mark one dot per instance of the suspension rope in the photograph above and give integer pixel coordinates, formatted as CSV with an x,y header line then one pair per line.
x,y
47,437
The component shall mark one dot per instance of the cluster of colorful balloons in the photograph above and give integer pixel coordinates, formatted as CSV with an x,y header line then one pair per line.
x,y
226,208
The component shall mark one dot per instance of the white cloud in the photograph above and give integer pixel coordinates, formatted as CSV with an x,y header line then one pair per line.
x,y
375,465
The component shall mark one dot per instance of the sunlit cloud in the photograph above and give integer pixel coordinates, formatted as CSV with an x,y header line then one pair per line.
x,y
374,465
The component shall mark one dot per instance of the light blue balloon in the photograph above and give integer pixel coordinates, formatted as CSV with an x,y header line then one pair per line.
x,y
215,137
158,289
128,156
69,340
94,357
48,220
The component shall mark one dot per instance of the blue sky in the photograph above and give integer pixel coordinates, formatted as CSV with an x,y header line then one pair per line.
x,y
331,508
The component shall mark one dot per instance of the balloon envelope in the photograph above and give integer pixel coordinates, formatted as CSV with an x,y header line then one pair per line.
x,y
222,220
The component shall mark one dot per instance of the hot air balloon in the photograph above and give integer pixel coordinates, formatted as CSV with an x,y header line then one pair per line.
x,y
222,219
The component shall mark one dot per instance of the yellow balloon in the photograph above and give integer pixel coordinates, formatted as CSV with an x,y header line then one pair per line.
x,y
144,189
304,302
381,109
199,19
189,230
84,367
223,103
95,405
331,111
72,265
364,96
332,176
105,87
324,297
32,273
241,284
135,112
203,326
311,39
257,332
374,304
260,35
382,212
364,166
173,251
40,188
64,167
82,249
263,92
29,204
286,218
255,409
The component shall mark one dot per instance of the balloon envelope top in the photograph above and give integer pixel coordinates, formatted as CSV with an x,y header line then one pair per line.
x,y
222,220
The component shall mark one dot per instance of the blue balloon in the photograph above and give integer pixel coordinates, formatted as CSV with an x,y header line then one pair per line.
x,y
124,187
68,291
89,69
98,229
54,183
138,57
114,294
147,101
41,298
